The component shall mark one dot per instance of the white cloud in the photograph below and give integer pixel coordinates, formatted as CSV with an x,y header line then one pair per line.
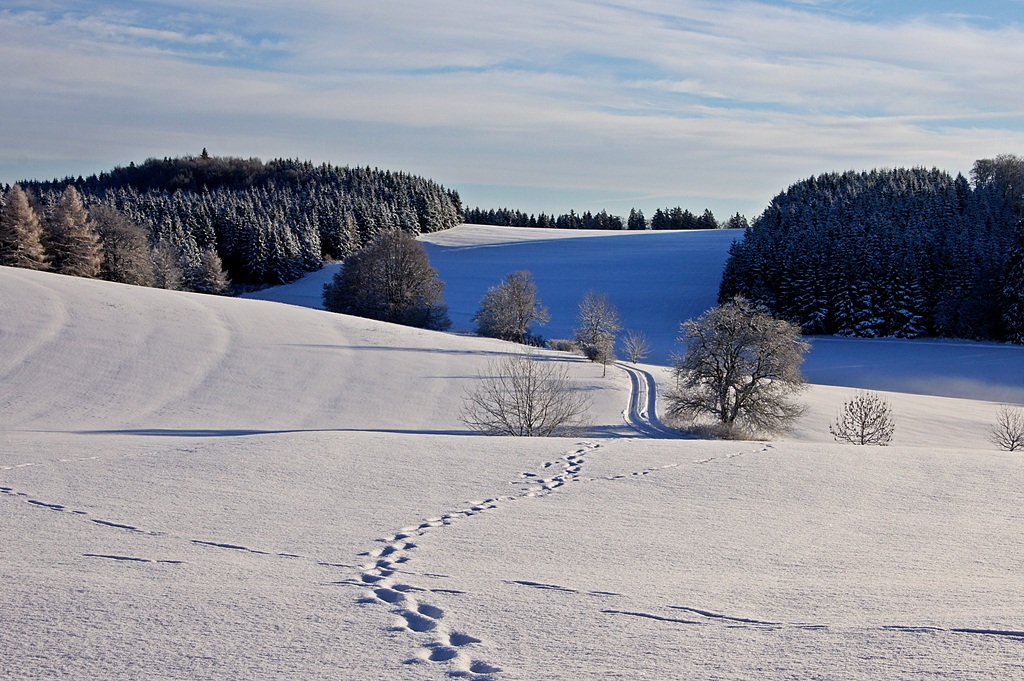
x,y
729,99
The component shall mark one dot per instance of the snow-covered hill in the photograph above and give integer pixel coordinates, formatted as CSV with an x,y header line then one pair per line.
x,y
198,487
657,280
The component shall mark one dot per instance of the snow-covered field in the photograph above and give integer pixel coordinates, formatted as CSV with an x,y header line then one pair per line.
x,y
194,487
658,280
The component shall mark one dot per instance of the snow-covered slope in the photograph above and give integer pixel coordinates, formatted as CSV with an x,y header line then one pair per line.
x,y
657,280
91,356
197,487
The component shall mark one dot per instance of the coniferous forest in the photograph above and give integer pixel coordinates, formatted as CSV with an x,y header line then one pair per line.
x,y
663,219
892,252
900,252
268,222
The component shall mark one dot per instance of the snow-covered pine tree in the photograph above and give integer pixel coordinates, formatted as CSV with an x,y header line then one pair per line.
x,y
1011,294
209,275
21,233
70,238
126,256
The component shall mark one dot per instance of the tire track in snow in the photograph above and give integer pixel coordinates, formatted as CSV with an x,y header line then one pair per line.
x,y
642,412
187,388
50,325
385,577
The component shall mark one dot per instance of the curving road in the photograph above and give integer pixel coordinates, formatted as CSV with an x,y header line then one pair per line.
x,y
642,413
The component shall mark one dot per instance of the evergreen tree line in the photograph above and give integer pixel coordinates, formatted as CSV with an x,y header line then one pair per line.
x,y
900,252
505,217
668,218
63,237
268,223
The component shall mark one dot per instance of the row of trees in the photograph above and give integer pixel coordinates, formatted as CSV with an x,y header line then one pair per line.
x,y
505,217
66,238
508,310
741,366
391,280
903,252
668,218
269,223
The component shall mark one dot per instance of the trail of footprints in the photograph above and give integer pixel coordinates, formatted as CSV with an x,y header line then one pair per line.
x,y
385,576
707,617
765,448
63,509
85,515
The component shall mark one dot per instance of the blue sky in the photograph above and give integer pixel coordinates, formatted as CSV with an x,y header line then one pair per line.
x,y
542,106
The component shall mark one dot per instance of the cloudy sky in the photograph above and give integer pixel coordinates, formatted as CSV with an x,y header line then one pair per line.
x,y
541,105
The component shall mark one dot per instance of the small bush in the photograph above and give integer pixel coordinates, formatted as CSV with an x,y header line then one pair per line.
x,y
565,345
719,431
525,395
1008,431
864,420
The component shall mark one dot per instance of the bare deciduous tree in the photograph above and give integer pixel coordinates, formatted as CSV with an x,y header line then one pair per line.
x,y
1005,171
390,279
741,366
524,395
1008,431
598,325
636,345
507,310
864,420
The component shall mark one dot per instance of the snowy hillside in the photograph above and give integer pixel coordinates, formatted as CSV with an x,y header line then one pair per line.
x,y
198,487
657,280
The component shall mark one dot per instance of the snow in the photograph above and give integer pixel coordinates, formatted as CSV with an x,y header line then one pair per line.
x,y
199,487
659,279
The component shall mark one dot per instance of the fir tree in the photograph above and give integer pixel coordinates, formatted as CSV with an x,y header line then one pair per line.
x,y
71,239
209,276
636,220
21,233
1012,291
126,256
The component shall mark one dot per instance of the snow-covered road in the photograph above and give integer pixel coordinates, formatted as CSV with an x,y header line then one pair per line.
x,y
642,411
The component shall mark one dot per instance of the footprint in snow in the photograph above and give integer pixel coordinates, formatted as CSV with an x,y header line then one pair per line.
x,y
414,621
443,654
431,611
459,639
389,595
